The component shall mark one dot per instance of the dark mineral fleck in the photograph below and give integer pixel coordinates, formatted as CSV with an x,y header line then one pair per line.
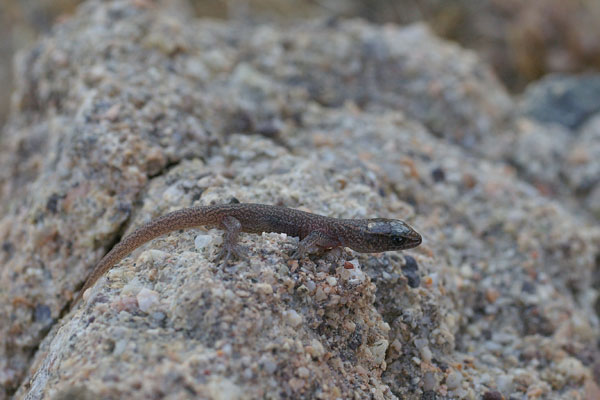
x,y
52,203
438,175
42,313
410,270
492,396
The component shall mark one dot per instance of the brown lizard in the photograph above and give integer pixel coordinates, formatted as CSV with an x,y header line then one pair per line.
x,y
362,235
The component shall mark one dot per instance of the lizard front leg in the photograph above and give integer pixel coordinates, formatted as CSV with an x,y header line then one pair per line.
x,y
314,239
232,228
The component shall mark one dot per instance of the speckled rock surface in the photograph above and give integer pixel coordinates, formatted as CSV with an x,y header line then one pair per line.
x,y
125,114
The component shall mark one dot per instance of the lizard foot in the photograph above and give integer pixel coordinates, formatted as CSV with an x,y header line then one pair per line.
x,y
238,251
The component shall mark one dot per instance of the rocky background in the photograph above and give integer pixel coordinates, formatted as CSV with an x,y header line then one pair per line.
x,y
129,109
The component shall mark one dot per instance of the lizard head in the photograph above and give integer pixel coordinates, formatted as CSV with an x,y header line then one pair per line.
x,y
388,234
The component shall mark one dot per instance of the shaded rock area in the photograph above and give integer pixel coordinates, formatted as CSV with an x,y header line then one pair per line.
x,y
555,143
126,113
565,100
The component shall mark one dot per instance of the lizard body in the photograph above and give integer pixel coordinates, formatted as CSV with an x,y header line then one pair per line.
x,y
362,235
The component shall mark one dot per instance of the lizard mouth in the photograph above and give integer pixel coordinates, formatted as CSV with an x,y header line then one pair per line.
x,y
413,239
407,240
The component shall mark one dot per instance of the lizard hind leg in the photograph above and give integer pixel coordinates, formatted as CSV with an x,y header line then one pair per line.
x,y
231,247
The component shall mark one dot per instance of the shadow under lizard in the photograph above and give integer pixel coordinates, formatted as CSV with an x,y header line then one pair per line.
x,y
362,235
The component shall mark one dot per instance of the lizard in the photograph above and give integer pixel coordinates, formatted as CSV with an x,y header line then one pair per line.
x,y
315,231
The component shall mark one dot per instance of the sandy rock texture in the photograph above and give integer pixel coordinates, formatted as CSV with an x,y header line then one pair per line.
x,y
125,113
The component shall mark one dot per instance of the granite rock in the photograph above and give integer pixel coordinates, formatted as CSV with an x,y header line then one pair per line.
x,y
126,113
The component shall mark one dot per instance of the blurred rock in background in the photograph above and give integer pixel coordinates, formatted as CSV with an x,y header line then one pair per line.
x,y
20,24
523,41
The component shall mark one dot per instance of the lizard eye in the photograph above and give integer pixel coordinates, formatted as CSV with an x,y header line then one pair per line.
x,y
404,236
398,240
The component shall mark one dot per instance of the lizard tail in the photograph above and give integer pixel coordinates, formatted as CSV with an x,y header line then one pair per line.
x,y
180,219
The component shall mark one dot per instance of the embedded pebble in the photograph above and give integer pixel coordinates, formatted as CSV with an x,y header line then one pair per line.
x,y
202,241
264,288
220,388
397,345
147,299
426,354
293,318
378,349
316,348
420,343
173,194
296,384
429,381
354,275
572,369
504,383
454,380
